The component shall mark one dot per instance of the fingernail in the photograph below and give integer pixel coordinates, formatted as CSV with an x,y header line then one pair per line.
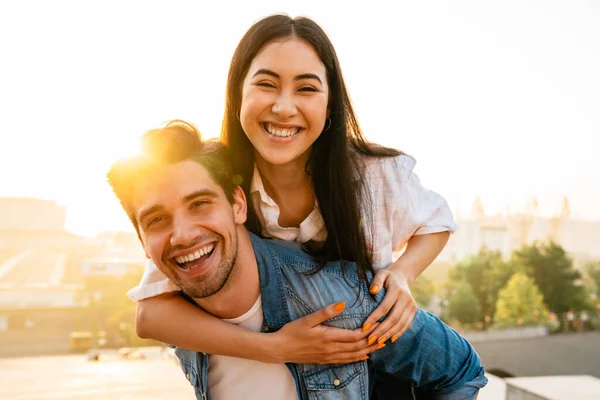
x,y
374,289
366,326
382,340
372,340
363,358
339,306
395,338
380,346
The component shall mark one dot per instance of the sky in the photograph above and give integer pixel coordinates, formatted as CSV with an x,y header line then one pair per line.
x,y
497,100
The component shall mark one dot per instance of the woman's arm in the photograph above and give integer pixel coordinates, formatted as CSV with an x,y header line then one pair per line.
x,y
397,278
171,319
423,216
421,251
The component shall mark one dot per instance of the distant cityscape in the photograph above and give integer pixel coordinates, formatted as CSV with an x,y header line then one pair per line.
x,y
507,232
41,263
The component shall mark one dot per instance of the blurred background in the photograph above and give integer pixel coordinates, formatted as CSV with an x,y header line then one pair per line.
x,y
498,102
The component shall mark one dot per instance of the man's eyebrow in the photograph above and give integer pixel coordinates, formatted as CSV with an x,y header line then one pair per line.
x,y
296,78
201,193
149,211
189,197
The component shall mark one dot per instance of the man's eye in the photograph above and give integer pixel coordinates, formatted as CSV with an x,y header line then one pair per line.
x,y
197,204
155,221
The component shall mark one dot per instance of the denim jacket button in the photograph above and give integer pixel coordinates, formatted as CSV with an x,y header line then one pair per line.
x,y
187,376
336,382
266,329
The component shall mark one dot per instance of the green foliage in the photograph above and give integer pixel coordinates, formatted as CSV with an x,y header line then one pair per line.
x,y
110,310
520,303
463,305
486,273
552,271
592,272
422,290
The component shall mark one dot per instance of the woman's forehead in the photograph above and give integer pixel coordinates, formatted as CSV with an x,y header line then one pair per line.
x,y
288,55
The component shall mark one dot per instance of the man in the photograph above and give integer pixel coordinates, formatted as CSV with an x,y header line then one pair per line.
x,y
190,219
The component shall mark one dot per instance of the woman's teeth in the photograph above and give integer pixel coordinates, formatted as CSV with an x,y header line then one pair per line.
x,y
196,255
281,132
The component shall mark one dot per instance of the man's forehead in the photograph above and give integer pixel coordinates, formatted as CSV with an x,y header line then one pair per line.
x,y
172,184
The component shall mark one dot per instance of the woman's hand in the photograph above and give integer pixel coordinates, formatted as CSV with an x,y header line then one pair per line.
x,y
398,304
306,341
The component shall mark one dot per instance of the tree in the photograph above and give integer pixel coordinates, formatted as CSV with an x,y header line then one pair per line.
x,y
109,309
487,273
592,271
520,303
422,290
553,273
463,305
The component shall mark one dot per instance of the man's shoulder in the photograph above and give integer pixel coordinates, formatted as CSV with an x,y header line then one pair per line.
x,y
295,255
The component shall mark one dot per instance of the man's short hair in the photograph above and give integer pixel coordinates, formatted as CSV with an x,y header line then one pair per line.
x,y
175,142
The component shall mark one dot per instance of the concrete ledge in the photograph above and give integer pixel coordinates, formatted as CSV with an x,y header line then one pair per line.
x,y
575,387
506,334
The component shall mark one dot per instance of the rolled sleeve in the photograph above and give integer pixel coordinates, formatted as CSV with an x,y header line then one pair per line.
x,y
427,211
401,207
153,283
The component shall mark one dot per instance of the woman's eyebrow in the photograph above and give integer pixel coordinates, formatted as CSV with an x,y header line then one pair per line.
x,y
266,72
308,76
296,78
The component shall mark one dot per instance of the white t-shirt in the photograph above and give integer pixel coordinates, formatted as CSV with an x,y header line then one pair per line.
x,y
401,207
231,378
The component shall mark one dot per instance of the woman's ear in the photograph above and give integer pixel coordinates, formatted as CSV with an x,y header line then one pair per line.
x,y
239,205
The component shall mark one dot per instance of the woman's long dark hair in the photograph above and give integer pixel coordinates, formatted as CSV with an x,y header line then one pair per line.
x,y
337,154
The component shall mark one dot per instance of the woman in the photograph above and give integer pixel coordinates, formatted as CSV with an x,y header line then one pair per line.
x,y
309,176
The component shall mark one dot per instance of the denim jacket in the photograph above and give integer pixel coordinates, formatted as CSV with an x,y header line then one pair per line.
x,y
429,359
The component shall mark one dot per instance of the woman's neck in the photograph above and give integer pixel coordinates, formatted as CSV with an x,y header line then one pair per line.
x,y
285,179
290,187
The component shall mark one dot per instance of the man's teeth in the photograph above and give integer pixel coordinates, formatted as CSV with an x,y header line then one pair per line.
x,y
281,132
196,255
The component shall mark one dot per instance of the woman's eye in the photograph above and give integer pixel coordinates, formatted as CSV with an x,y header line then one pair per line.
x,y
307,89
266,85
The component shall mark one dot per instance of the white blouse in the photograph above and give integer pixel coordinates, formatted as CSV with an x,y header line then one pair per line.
x,y
400,208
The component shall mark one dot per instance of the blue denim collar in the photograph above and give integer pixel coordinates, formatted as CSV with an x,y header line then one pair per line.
x,y
274,303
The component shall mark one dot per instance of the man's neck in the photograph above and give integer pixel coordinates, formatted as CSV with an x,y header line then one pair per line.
x,y
242,289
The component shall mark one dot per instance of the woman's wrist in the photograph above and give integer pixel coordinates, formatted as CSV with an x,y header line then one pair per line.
x,y
270,348
402,270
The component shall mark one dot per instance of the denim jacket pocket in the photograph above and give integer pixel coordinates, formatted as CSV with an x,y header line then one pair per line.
x,y
337,381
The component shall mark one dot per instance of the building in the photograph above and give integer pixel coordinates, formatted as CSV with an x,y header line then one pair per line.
x,y
507,232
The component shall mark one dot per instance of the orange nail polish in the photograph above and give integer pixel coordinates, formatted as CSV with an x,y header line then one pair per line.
x,y
380,346
366,327
363,358
339,306
395,338
372,340
374,289
382,340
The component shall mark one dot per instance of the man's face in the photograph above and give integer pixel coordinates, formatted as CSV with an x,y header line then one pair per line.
x,y
188,227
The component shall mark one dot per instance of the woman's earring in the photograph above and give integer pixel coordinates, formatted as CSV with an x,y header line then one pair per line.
x,y
327,124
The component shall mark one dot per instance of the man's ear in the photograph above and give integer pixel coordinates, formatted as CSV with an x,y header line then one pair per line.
x,y
239,206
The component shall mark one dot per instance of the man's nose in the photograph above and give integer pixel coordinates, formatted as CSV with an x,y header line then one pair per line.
x,y
185,231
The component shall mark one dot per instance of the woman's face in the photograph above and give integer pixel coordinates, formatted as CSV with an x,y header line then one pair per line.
x,y
284,101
